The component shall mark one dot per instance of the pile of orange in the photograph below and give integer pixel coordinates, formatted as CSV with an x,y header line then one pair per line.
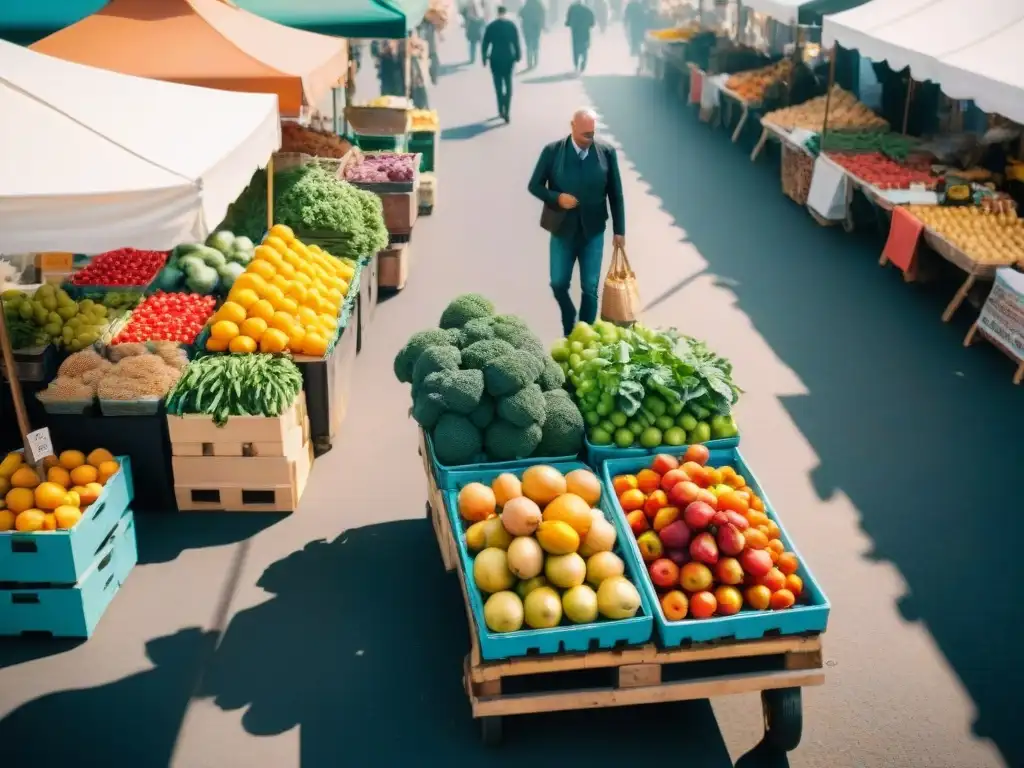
x,y
73,482
288,299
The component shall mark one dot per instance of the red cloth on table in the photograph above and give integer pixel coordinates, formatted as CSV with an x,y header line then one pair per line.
x,y
696,85
904,234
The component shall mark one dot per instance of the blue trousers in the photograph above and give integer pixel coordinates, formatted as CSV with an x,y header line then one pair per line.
x,y
565,252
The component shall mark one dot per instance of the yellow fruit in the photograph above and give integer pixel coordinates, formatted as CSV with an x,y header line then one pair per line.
x,y
289,305
51,495
277,243
274,295
280,283
244,297
30,520
216,345
315,248
72,499
557,537
329,321
305,268
60,476
335,296
67,517
10,463
274,340
5,486
345,272
283,322
314,345
297,292
89,493
71,459
303,279
262,268
287,271
263,251
6,520
85,474
242,345
20,499
247,281
98,456
106,470
231,312
262,309
295,339
49,521
254,328
306,316
282,231
24,477
224,330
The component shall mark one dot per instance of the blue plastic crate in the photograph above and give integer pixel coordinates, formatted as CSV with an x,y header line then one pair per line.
x,y
61,557
599,454
809,615
568,637
75,610
443,473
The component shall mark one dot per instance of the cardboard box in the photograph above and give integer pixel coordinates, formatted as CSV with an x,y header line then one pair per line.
x,y
393,267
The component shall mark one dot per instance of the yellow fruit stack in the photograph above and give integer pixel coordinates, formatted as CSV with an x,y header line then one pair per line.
x,y
288,298
73,482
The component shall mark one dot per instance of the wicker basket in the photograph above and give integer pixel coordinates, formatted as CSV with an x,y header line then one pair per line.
x,y
286,161
797,170
377,121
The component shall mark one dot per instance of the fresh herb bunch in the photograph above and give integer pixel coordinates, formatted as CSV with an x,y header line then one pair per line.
x,y
236,385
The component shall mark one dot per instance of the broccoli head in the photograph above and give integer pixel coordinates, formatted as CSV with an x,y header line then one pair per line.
x,y
434,359
407,356
483,414
523,408
519,336
427,408
456,440
552,377
461,390
564,428
479,354
464,308
504,441
477,329
510,373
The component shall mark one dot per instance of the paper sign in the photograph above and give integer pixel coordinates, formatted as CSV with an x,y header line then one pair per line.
x,y
56,262
1002,317
39,445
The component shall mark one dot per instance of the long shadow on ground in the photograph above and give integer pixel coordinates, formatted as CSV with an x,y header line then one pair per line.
x,y
921,434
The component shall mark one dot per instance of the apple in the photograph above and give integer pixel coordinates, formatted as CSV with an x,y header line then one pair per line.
x,y
671,479
703,605
663,463
729,539
708,498
703,549
683,493
654,502
637,521
758,597
664,573
738,520
675,535
695,577
651,547
729,571
674,605
720,518
697,453
756,562
729,600
678,556
698,515
665,516
774,579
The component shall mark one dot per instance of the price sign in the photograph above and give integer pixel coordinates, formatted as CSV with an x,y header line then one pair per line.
x,y
1002,317
39,445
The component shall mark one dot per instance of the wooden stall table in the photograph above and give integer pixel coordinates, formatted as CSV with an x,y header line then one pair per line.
x,y
745,109
974,270
1001,320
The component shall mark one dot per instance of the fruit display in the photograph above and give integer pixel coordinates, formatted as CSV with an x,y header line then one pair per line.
x,y
484,389
643,387
222,386
543,552
133,373
163,316
56,501
845,113
207,268
311,199
752,85
710,547
984,237
298,138
382,168
675,34
424,120
288,299
882,173
50,315
894,145
125,266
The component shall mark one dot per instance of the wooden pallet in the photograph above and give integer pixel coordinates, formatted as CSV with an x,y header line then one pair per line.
x,y
248,436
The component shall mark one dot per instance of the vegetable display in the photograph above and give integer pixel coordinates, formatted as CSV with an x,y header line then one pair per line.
x,y
485,390
752,85
894,145
133,373
222,386
309,199
288,298
296,138
710,547
646,387
881,172
175,317
207,268
384,167
125,266
845,113
50,315
547,559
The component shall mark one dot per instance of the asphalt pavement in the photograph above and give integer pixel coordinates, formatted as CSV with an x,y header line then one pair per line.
x,y
333,637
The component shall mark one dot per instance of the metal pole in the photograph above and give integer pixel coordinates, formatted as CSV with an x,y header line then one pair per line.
x,y
906,107
270,193
828,93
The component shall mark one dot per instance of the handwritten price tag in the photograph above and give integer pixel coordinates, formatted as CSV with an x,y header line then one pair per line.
x,y
39,445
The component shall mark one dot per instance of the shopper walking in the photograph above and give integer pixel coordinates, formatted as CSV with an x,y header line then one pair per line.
x,y
501,49
636,21
579,20
473,21
577,178
531,19
600,8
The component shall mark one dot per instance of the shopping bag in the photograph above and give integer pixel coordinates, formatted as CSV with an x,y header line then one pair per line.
x,y
620,300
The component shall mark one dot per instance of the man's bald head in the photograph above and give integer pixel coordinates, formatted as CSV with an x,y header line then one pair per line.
x,y
584,124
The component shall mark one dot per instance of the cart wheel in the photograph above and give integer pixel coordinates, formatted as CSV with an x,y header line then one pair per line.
x,y
490,730
783,718
430,512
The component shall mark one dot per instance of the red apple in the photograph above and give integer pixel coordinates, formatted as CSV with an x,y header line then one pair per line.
x,y
703,549
738,520
663,462
729,571
672,478
637,521
654,502
720,518
675,535
664,573
694,577
698,515
729,539
678,556
651,547
756,562
729,600
683,493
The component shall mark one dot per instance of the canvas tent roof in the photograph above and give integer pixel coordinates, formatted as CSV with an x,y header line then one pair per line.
x,y
971,50
799,11
344,18
147,165
205,42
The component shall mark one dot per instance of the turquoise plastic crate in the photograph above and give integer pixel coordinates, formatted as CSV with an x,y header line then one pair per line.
x,y
568,638
599,454
807,616
75,610
443,474
61,557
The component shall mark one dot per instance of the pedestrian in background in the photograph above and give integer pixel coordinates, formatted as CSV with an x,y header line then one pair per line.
x,y
636,21
501,49
579,20
531,19
600,8
577,179
473,22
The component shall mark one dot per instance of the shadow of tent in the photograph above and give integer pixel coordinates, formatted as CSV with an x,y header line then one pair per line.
x,y
549,79
468,131
162,537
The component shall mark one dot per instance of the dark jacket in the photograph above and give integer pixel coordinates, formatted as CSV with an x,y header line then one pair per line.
x,y
501,44
580,20
595,182
635,19
531,18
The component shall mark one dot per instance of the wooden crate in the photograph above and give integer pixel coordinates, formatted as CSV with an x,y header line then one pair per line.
x,y
400,211
393,267
248,436
437,512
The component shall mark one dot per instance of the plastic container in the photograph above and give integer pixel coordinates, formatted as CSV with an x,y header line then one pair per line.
x,y
598,454
567,637
445,475
68,407
148,406
62,557
808,616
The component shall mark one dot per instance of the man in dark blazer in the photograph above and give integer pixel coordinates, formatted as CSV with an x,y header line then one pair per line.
x,y
501,49
577,179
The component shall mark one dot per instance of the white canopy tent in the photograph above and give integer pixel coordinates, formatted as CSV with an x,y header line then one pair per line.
x,y
971,50
94,160
783,11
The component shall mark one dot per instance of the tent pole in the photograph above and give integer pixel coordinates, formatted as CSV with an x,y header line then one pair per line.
x,y
408,66
270,193
828,93
12,377
906,107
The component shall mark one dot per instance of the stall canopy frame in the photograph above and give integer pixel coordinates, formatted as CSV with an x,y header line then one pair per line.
x,y
357,19
809,12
